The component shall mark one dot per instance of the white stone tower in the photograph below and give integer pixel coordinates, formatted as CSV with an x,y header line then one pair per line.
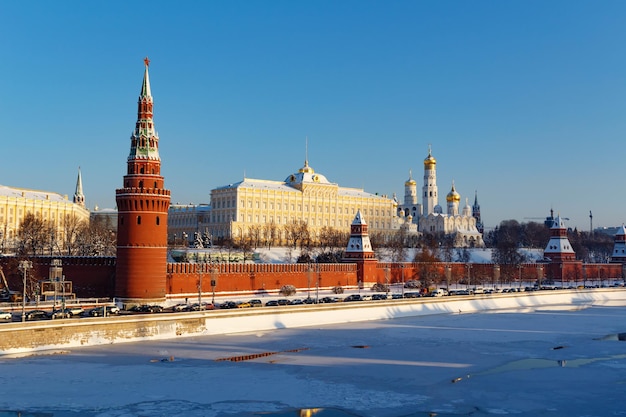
x,y
453,199
430,197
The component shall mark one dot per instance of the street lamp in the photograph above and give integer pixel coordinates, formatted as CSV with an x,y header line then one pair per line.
x,y
387,281
199,285
448,276
469,275
24,266
213,283
308,281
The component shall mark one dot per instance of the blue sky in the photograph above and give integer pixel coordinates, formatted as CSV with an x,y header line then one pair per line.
x,y
524,101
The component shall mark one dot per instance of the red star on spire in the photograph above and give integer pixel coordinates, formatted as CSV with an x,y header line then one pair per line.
x,y
146,61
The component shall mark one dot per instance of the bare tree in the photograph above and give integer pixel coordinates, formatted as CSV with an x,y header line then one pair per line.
x,y
32,235
72,229
255,232
269,233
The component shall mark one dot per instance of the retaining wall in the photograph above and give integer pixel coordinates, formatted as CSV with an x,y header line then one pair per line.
x,y
16,338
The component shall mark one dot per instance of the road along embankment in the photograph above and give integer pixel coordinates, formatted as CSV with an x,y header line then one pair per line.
x,y
16,338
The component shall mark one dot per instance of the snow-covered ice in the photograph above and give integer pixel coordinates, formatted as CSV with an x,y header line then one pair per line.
x,y
561,361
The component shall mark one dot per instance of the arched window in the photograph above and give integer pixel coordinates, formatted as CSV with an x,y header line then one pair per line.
x,y
138,219
158,221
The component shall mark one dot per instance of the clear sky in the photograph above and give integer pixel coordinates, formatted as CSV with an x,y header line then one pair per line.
x,y
523,101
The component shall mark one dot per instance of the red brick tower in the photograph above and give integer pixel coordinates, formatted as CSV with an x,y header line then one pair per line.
x,y
359,250
142,212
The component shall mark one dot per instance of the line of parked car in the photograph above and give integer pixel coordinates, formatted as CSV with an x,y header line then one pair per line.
x,y
57,313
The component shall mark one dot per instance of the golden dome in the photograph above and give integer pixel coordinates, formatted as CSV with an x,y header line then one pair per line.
x,y
410,181
430,161
306,168
453,196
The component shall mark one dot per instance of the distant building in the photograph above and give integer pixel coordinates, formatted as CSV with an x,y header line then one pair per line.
x,y
429,216
107,217
16,203
185,222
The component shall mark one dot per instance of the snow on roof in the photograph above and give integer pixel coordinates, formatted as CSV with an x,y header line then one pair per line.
x,y
10,192
284,186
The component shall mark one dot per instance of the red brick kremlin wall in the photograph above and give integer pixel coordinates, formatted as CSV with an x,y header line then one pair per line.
x,y
95,276
183,278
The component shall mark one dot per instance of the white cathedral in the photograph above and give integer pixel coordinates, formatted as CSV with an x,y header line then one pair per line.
x,y
465,226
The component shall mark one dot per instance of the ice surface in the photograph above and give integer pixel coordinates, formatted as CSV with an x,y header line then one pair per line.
x,y
556,362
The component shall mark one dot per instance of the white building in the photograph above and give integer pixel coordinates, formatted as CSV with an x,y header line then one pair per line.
x,y
429,216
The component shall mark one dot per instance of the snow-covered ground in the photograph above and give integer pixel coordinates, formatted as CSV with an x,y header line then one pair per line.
x,y
557,361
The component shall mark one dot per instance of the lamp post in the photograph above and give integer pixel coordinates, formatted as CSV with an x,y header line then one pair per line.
x,y
308,281
24,266
213,283
519,276
448,276
469,275
402,271
387,281
317,285
496,274
199,285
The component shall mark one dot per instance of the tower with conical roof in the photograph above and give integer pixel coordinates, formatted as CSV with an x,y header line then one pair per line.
x,y
360,250
430,198
476,214
619,246
142,205
563,263
79,197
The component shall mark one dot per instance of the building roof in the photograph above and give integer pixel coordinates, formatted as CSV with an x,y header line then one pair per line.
x,y
11,192
306,176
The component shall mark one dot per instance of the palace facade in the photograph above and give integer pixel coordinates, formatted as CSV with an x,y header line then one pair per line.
x,y
304,196
51,207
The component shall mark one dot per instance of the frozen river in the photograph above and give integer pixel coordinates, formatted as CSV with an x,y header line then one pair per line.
x,y
558,362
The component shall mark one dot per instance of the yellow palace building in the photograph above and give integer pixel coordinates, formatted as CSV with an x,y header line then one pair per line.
x,y
53,208
304,196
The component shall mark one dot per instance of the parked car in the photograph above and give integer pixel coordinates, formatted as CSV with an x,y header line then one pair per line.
x,y
181,307
283,302
296,301
353,297
75,310
412,295
60,314
309,300
379,297
256,303
396,296
439,292
244,305
6,316
271,303
228,305
326,300
36,315
99,311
